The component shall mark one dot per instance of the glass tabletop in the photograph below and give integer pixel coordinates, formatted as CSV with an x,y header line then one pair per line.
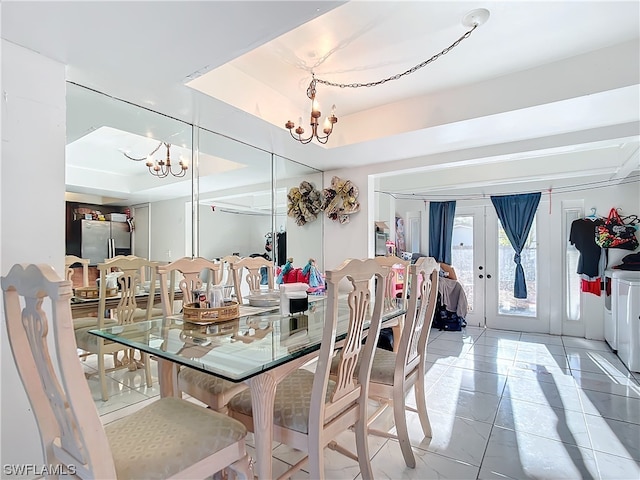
x,y
237,349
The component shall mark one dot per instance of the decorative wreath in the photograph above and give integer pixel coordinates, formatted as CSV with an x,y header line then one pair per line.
x,y
304,203
340,200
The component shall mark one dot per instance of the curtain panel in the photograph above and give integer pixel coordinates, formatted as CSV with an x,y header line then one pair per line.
x,y
516,214
441,216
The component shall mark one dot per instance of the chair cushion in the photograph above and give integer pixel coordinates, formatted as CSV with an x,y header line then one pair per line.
x,y
168,436
209,384
382,370
88,341
292,402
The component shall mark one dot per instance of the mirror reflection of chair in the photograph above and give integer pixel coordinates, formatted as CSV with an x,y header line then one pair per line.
x,y
126,312
170,438
396,289
69,261
213,391
310,410
254,274
394,373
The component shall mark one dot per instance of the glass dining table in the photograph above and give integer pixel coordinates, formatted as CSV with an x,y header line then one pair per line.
x,y
258,349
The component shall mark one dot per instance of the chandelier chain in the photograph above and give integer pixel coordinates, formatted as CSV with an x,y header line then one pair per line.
x,y
144,158
398,75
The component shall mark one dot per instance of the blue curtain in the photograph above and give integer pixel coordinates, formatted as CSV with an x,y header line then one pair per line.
x,y
516,213
441,216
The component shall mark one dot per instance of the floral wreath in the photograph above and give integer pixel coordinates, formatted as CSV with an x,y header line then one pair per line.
x,y
340,200
304,203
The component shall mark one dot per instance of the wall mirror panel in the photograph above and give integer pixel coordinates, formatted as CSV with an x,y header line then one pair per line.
x,y
302,232
235,208
240,191
101,132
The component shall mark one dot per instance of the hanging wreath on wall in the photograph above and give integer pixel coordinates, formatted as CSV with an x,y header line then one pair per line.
x,y
340,200
304,203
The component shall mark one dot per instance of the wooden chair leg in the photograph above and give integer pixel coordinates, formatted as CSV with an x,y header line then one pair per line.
x,y
103,377
316,458
147,369
362,446
243,468
421,404
400,420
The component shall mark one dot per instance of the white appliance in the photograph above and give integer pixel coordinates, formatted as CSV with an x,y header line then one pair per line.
x,y
611,303
627,313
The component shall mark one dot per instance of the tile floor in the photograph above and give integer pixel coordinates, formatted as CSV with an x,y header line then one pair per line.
x,y
502,405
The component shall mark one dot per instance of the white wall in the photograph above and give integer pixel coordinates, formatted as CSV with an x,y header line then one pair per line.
x,y
349,240
32,188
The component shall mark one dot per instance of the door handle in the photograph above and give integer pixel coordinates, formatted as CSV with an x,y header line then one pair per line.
x,y
480,267
480,276
488,276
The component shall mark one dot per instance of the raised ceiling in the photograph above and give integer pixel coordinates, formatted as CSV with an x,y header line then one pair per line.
x,y
539,79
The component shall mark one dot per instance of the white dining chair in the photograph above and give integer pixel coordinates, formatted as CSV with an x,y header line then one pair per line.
x,y
69,261
394,373
213,391
310,410
254,274
126,312
169,438
398,276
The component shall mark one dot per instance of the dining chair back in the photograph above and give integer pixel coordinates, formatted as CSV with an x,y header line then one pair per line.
x,y
169,438
396,289
213,391
254,274
190,271
70,260
127,311
394,373
310,409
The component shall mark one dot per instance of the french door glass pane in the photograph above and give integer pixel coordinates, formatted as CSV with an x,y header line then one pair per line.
x,y
572,281
508,304
462,254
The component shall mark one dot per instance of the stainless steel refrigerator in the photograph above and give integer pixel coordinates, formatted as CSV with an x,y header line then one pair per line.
x,y
98,240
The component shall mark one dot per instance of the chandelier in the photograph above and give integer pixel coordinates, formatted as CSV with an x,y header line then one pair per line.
x,y
472,20
315,115
162,168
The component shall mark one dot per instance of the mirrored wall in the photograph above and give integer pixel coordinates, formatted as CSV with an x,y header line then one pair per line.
x,y
231,199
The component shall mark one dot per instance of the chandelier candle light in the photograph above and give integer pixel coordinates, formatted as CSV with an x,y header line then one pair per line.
x,y
162,168
471,20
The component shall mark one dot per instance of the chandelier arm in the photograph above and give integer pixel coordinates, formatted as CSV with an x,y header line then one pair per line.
x,y
399,75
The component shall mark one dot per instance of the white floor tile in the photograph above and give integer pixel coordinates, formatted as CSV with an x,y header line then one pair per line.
x,y
474,405
474,381
595,361
389,464
617,468
615,407
576,342
614,437
627,387
557,395
454,437
564,426
523,456
540,338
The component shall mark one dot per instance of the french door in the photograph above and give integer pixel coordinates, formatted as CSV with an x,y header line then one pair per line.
x,y
483,259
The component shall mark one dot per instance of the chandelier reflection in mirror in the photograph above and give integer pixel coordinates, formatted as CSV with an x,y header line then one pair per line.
x,y
471,20
162,168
